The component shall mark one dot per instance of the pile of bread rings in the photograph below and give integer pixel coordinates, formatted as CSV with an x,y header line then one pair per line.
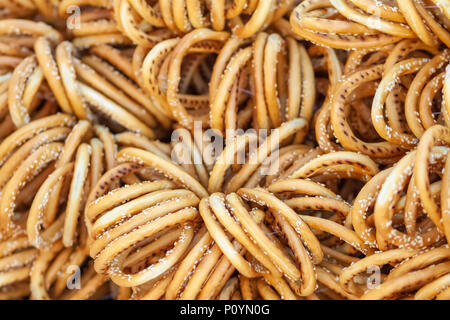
x,y
109,188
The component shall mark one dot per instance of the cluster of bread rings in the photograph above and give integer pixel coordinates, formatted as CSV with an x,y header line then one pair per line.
x,y
334,177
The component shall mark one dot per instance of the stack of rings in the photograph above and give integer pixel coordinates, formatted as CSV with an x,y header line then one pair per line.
x,y
226,150
147,23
